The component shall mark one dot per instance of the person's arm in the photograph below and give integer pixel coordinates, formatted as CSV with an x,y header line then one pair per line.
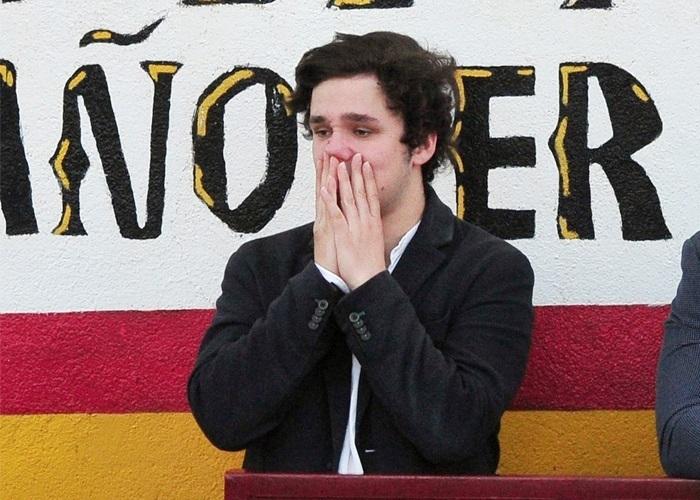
x,y
446,400
253,358
678,376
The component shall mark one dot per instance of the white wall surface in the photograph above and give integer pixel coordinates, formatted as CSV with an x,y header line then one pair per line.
x,y
654,41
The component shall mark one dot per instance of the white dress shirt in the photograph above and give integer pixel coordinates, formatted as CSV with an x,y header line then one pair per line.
x,y
350,462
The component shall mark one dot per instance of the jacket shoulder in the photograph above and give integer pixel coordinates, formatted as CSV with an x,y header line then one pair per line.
x,y
279,246
473,239
691,247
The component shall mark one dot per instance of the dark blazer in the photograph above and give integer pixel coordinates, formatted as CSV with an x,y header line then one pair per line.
x,y
443,343
678,376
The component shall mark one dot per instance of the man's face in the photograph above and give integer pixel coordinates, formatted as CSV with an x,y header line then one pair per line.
x,y
350,115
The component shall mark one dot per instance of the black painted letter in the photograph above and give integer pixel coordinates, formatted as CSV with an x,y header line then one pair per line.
x,y
635,124
70,162
208,135
475,153
15,188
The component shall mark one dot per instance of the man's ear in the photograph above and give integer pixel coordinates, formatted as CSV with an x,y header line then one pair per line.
x,y
421,154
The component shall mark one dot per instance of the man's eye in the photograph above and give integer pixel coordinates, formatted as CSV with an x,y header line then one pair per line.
x,y
320,132
362,132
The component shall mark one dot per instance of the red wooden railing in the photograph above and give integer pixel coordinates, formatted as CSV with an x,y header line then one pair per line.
x,y
247,486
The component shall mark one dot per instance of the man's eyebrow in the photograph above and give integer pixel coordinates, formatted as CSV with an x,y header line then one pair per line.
x,y
351,117
358,117
315,119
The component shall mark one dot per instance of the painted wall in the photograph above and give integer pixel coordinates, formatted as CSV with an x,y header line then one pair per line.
x,y
143,142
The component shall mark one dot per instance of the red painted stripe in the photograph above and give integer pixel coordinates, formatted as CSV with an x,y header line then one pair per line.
x,y
98,362
583,357
593,357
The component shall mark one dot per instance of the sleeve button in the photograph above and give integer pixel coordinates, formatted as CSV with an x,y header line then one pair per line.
x,y
365,336
313,325
322,304
354,317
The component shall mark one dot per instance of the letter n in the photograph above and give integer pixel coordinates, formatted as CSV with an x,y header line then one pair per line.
x,y
70,162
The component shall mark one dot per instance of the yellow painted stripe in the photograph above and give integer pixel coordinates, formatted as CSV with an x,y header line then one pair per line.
x,y
286,94
156,455
75,81
567,233
565,72
164,455
215,95
468,73
561,156
343,3
6,75
456,131
156,69
526,71
199,186
58,164
640,93
475,73
461,97
102,35
460,202
457,158
596,443
65,220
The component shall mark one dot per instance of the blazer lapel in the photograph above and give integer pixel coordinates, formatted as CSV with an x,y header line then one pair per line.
x,y
419,261
416,265
423,254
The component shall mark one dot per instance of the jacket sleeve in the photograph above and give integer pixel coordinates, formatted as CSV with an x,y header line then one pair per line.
x,y
678,375
446,399
249,342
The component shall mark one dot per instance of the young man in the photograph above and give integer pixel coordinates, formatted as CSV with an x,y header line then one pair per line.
x,y
388,336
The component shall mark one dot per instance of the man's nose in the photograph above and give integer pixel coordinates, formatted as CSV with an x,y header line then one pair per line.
x,y
338,146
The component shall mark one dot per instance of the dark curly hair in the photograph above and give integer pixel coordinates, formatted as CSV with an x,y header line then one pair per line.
x,y
418,84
